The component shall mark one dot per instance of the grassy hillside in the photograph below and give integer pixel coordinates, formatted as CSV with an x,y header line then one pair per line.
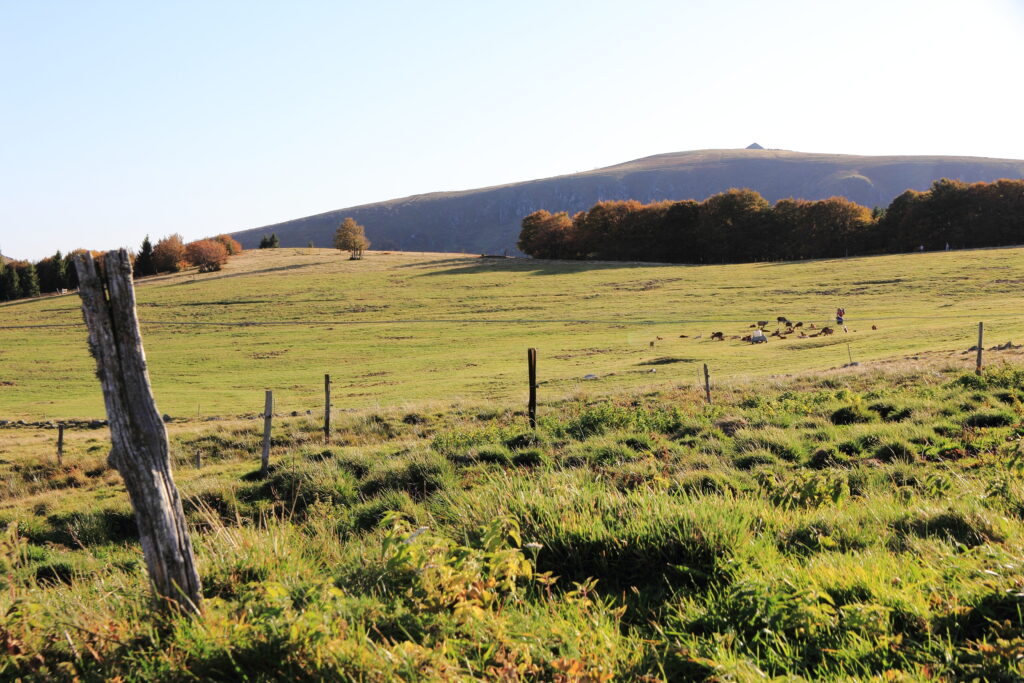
x,y
851,525
858,523
398,328
487,220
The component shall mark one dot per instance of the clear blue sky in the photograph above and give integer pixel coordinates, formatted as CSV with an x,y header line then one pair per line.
x,y
126,118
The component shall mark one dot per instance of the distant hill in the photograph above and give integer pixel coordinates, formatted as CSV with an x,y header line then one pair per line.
x,y
486,220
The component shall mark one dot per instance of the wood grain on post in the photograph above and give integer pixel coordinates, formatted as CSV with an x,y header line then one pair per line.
x,y
981,341
268,415
140,449
60,445
327,409
531,361
707,383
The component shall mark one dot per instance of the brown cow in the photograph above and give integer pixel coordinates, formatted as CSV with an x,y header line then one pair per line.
x,y
720,336
827,331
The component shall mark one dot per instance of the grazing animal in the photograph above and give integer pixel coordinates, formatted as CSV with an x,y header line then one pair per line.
x,y
827,331
874,327
816,334
658,338
799,324
720,336
783,320
762,323
754,325
746,338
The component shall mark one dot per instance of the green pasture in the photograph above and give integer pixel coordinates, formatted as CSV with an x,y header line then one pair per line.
x,y
398,329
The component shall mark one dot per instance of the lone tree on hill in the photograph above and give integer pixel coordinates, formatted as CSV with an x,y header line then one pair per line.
x,y
351,237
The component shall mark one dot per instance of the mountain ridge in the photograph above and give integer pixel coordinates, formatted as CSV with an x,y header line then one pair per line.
x,y
486,219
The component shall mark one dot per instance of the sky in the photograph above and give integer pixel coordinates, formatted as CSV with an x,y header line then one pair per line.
x,y
122,119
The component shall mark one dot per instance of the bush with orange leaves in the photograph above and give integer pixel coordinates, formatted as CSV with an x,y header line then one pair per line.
x,y
230,243
209,255
169,254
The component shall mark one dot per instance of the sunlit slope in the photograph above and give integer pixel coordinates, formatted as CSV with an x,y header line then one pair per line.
x,y
401,328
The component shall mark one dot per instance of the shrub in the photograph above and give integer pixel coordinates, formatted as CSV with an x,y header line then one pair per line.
x,y
169,254
232,245
207,255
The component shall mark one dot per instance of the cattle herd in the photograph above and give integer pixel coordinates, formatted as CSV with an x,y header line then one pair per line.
x,y
784,329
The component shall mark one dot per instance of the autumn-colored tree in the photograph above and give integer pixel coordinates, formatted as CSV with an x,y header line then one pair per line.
x,y
169,254
230,243
544,235
350,237
209,254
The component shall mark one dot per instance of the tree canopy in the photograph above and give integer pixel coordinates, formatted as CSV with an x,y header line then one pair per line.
x,y
351,237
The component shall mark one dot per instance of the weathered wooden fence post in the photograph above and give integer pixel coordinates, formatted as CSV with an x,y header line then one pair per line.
x,y
60,445
707,383
981,341
531,361
140,449
327,409
268,415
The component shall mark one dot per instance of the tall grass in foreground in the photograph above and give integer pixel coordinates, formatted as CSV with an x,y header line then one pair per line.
x,y
868,528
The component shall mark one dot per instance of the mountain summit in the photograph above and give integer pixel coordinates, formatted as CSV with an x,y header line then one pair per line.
x,y
487,220
754,145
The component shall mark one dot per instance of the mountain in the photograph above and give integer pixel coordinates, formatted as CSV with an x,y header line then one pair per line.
x,y
487,220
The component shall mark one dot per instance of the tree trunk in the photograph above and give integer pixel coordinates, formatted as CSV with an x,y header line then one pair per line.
x,y
140,449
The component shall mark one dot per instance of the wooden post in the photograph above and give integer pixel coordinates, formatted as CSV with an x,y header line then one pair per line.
x,y
981,341
60,445
327,409
268,415
707,383
531,360
140,449
199,460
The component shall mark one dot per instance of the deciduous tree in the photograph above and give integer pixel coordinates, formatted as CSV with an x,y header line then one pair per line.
x,y
169,254
351,237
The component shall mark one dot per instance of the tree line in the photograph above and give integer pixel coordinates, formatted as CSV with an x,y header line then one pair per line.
x,y
740,226
23,279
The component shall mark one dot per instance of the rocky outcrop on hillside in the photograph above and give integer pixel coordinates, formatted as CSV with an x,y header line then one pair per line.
x,y
487,220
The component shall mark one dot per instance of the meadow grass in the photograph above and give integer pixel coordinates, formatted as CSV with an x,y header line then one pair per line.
x,y
400,329
644,535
